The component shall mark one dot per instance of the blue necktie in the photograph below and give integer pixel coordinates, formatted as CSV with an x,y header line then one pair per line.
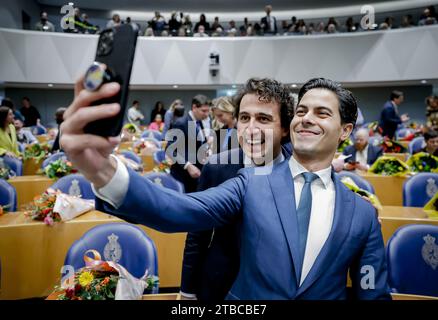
x,y
303,215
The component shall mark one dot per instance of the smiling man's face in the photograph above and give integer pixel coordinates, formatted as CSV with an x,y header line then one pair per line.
x,y
316,128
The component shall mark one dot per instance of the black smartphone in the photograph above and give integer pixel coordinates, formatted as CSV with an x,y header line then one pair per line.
x,y
115,50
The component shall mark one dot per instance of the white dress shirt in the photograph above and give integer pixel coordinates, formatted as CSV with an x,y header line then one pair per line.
x,y
362,156
321,217
134,116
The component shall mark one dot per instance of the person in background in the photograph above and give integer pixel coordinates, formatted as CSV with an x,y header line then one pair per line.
x,y
432,112
201,32
174,24
389,117
44,24
88,27
114,22
134,114
223,110
7,102
59,118
23,136
158,109
31,115
362,154
194,126
176,110
158,124
202,22
269,23
431,139
8,135
158,23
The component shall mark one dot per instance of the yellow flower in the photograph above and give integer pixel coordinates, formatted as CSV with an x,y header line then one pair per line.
x,y
85,279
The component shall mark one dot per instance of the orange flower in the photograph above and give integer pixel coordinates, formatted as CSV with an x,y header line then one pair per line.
x,y
105,281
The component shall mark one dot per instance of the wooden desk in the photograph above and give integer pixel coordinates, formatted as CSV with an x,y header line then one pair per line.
x,y
388,189
32,253
42,138
393,217
30,167
148,162
404,143
29,187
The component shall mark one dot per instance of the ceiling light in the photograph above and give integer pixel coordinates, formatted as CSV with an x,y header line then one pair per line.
x,y
294,85
423,81
175,86
50,85
234,86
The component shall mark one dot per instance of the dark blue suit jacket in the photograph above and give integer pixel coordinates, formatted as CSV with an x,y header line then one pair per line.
x,y
269,253
177,169
373,153
389,120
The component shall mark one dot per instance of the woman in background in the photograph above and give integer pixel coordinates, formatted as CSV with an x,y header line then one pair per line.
x,y
8,135
159,109
158,124
224,125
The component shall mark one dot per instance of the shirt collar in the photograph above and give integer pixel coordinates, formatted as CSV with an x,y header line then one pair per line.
x,y
325,175
248,163
365,150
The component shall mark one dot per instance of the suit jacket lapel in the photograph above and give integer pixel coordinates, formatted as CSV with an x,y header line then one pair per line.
x,y
341,225
282,187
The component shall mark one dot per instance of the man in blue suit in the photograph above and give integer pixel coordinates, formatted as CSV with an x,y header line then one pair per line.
x,y
211,257
389,117
301,229
362,154
193,126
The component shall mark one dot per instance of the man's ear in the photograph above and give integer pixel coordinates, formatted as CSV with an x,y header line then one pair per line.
x,y
346,131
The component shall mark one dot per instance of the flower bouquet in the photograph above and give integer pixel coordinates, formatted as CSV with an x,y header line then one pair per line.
x,y
54,206
431,207
372,198
164,166
423,162
344,144
373,128
129,132
36,151
103,280
145,147
5,173
59,168
389,166
390,146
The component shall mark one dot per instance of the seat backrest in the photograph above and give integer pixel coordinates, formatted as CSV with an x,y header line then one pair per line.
x,y
14,164
165,180
159,156
412,257
358,180
132,156
123,243
74,184
415,145
403,132
53,158
38,130
152,134
8,196
419,189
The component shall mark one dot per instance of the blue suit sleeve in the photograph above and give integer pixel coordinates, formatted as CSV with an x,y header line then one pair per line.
x,y
169,211
390,116
369,272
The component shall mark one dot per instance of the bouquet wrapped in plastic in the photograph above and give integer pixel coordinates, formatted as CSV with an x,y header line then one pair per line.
x,y
349,183
431,207
103,280
59,168
55,206
423,162
37,151
391,146
344,144
145,147
389,166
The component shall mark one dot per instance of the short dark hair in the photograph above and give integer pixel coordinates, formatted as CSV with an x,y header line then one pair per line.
x,y
135,102
26,98
268,90
431,134
347,101
395,95
6,102
200,100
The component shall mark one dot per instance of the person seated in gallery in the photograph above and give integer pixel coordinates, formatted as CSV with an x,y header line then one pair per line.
x,y
362,154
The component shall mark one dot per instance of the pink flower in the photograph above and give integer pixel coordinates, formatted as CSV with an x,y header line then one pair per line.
x,y
48,220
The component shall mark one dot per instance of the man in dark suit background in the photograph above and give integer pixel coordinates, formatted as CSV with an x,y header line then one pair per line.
x,y
211,257
362,154
389,117
269,23
194,126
